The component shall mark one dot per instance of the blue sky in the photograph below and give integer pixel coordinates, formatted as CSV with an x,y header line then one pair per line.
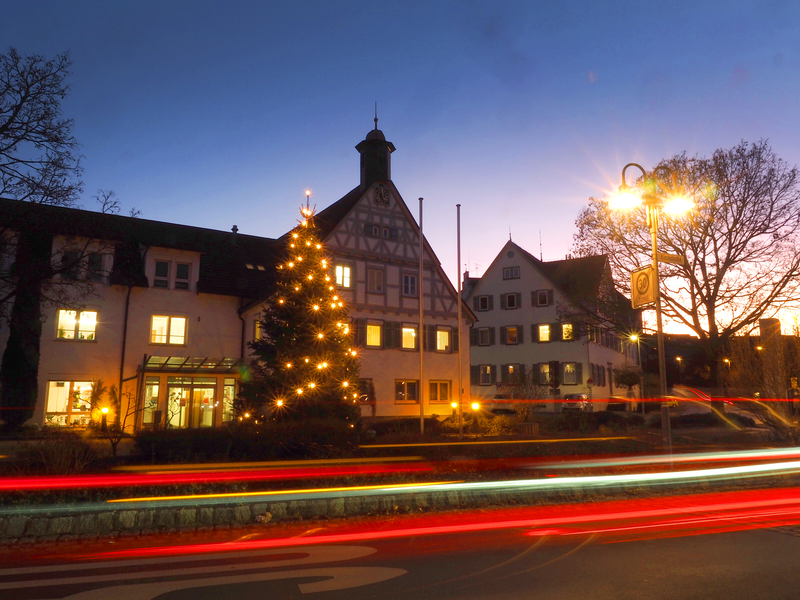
x,y
214,114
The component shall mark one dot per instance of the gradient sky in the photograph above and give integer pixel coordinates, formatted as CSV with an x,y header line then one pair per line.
x,y
214,114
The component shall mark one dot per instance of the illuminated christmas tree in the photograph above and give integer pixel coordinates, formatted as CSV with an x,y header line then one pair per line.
x,y
307,364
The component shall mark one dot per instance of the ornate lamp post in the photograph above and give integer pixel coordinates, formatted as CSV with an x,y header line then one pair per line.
x,y
654,205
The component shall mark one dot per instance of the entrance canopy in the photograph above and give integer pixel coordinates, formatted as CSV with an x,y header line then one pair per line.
x,y
192,364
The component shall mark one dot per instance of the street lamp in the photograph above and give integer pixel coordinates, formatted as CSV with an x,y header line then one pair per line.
x,y
654,203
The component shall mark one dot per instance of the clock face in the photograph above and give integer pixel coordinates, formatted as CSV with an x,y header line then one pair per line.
x,y
382,196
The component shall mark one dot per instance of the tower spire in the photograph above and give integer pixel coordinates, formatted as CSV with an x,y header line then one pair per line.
x,y
376,115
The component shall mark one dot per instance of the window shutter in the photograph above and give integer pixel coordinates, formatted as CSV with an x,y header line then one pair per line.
x,y
493,373
491,336
579,373
533,298
491,302
502,301
503,336
473,336
454,339
397,328
561,367
518,298
520,334
504,374
361,332
534,333
431,337
395,233
368,228
425,345
555,332
388,334
475,304
549,297
474,374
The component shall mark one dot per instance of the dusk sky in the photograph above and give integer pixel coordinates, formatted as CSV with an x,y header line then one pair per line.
x,y
214,114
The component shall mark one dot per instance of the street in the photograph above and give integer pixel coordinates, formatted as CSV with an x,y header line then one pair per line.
x,y
739,545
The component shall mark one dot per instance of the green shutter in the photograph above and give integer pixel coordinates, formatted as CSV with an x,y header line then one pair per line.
x,y
493,374
491,302
518,298
504,374
473,336
454,339
555,332
475,304
502,301
520,334
503,338
491,336
579,373
474,374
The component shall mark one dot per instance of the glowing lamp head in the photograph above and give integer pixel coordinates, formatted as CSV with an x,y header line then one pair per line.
x,y
624,199
677,205
475,406
104,410
634,337
454,404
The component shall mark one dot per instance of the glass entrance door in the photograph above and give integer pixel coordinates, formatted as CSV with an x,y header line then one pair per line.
x,y
203,407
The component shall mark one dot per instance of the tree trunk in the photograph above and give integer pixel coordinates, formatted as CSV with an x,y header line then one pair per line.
x,y
19,369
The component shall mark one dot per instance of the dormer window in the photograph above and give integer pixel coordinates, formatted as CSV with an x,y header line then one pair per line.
x,y
182,271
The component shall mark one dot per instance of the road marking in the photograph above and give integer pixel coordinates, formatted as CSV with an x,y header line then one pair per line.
x,y
339,578
314,555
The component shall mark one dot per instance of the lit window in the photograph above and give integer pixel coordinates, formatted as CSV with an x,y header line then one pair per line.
x,y
566,331
544,373
182,276
161,280
544,333
569,373
409,337
342,274
77,324
228,395
150,400
375,281
257,331
409,284
511,335
406,390
68,402
168,330
443,340
486,374
373,335
439,391
513,374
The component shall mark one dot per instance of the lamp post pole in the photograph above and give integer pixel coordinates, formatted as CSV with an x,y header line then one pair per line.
x,y
653,204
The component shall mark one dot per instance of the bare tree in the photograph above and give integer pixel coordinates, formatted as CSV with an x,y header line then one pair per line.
x,y
740,241
527,395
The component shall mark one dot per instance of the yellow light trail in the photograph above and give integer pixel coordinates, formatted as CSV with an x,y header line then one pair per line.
x,y
261,465
358,488
591,439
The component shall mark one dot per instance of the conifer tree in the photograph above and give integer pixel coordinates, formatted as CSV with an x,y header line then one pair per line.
x,y
307,364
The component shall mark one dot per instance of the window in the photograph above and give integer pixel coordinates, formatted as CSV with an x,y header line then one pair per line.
x,y
510,301
544,374
406,390
228,395
483,303
543,297
168,330
569,374
544,333
567,332
161,280
439,391
70,263
257,332
191,401
375,281
511,374
386,233
374,335
150,400
374,230
94,267
484,337
409,284
409,337
485,374
511,273
182,276
512,335
77,324
443,340
68,403
342,274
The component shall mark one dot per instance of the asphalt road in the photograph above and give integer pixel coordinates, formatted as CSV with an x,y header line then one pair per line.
x,y
500,563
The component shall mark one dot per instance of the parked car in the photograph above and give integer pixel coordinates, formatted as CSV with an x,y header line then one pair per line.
x,y
576,402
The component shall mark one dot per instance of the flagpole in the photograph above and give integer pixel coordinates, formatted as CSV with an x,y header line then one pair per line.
x,y
460,337
421,340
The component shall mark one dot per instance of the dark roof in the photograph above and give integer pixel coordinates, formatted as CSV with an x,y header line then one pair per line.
x,y
577,277
224,255
327,220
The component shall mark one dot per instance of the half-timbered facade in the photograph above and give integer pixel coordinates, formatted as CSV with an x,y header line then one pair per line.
x,y
376,243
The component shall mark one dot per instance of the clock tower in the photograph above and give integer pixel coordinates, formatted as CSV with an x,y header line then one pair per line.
x,y
376,161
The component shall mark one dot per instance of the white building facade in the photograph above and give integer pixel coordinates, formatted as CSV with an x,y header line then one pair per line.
x,y
547,321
